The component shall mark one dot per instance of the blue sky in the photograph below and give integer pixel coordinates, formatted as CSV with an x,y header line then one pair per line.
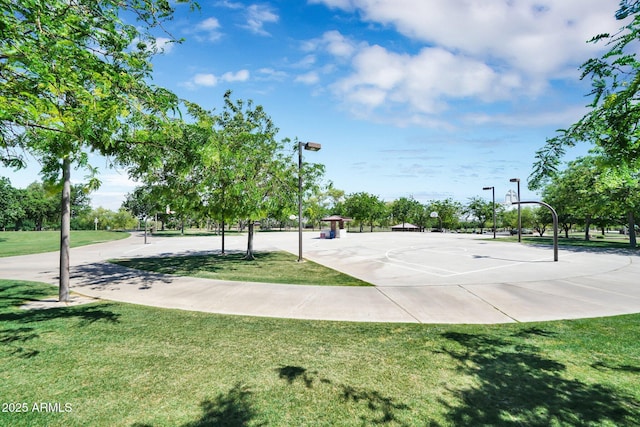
x,y
424,98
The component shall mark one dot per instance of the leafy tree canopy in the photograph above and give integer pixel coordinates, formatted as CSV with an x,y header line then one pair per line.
x,y
611,124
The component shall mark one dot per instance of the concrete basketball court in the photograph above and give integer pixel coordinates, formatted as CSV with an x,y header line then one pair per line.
x,y
418,277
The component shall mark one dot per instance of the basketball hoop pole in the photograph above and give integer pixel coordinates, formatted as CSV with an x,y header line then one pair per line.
x,y
555,223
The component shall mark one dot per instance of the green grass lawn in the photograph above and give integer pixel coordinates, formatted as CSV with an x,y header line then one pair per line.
x,y
268,267
109,364
14,243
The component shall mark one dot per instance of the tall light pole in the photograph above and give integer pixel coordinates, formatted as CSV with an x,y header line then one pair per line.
x,y
493,193
309,146
519,209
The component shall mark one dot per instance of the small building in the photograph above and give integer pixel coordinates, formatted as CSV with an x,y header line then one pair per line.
x,y
405,227
337,230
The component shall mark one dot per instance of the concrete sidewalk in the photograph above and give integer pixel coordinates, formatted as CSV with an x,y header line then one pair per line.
x,y
419,277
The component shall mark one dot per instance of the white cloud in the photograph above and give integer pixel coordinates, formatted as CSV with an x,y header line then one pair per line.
x,y
308,78
113,190
480,51
534,36
542,118
210,27
334,43
238,76
271,74
211,80
209,24
118,179
257,17
207,80
306,62
423,81
335,4
230,5
164,44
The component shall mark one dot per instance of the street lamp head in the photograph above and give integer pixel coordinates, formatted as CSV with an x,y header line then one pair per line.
x,y
514,180
312,146
487,188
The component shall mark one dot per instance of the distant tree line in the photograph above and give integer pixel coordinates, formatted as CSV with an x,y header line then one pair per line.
x,y
37,207
368,212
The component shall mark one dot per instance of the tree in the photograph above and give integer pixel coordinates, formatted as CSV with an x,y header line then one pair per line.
x,y
403,209
74,78
448,211
319,201
574,195
480,210
365,208
254,168
10,207
510,218
612,123
40,204
590,190
123,220
142,202
622,184
541,219
563,198
421,216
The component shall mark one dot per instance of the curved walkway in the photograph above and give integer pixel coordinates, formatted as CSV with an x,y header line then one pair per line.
x,y
419,277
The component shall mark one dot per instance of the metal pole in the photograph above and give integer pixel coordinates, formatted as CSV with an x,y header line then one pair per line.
x,y
519,216
519,211
493,196
299,201
493,192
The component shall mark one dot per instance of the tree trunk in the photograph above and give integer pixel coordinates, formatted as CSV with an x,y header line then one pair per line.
x,y
632,230
587,226
65,231
145,230
222,228
249,255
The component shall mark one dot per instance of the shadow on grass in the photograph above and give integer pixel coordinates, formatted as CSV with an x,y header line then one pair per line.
x,y
86,314
515,384
233,409
377,408
184,264
621,368
20,327
15,294
104,275
15,340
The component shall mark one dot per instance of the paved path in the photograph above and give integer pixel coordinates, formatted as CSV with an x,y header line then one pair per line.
x,y
419,277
